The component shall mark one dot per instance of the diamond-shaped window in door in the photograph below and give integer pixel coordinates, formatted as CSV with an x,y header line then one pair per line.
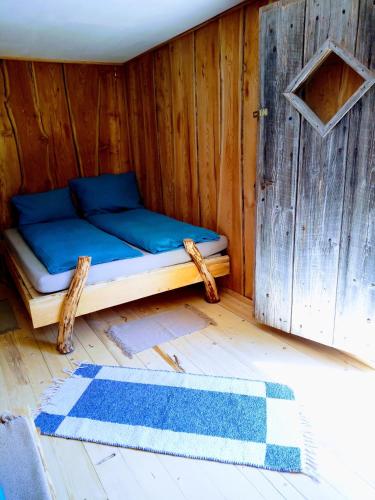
x,y
329,86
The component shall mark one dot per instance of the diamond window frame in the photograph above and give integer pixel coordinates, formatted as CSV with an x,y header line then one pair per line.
x,y
318,58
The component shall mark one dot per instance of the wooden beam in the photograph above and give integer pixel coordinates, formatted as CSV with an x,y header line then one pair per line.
x,y
212,295
45,309
68,316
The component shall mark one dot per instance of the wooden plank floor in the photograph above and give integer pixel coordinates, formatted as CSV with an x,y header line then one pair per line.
x,y
337,393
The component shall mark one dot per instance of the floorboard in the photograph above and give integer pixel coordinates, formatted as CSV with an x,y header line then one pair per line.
x,y
333,387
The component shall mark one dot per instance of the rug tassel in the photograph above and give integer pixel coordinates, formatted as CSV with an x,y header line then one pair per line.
x,y
77,364
47,395
51,390
309,457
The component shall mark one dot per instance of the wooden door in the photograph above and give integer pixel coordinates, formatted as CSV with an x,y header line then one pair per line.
x,y
315,234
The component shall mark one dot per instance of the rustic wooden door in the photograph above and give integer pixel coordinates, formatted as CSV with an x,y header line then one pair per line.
x,y
315,235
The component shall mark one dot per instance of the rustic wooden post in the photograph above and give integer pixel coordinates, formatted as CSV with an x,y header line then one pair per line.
x,y
64,337
212,295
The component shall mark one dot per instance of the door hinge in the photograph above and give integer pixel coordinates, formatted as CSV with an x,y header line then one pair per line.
x,y
260,112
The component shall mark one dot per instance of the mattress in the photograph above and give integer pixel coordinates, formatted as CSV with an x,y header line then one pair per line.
x,y
44,282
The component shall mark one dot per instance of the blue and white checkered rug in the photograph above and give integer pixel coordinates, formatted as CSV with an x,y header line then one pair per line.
x,y
214,418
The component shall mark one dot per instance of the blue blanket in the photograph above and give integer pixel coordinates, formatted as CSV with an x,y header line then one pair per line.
x,y
58,244
149,230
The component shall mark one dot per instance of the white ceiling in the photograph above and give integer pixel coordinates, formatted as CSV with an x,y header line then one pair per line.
x,y
96,30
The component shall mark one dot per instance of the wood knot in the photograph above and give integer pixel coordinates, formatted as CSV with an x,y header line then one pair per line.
x,y
266,183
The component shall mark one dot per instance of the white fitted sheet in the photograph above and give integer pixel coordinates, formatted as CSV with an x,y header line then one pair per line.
x,y
44,282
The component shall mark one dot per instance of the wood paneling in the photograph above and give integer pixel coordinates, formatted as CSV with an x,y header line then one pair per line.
x,y
230,201
281,55
321,183
162,75
152,185
54,114
114,152
59,121
355,311
10,172
136,132
187,206
30,135
82,90
250,90
205,89
321,189
140,90
207,74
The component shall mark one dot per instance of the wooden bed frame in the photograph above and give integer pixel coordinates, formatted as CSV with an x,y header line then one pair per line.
x,y
63,307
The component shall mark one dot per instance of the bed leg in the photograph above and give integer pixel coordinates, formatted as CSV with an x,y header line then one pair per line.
x,y
212,295
68,315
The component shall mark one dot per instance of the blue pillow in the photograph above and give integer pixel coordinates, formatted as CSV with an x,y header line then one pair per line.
x,y
107,193
44,207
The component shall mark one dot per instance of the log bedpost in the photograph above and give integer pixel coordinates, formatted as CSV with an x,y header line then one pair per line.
x,y
69,309
212,295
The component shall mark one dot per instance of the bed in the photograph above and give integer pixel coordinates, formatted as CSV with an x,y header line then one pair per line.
x,y
57,294
44,282
153,276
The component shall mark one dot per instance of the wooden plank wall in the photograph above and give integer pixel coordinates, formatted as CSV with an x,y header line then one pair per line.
x,y
190,114
281,56
355,304
322,285
320,193
59,121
